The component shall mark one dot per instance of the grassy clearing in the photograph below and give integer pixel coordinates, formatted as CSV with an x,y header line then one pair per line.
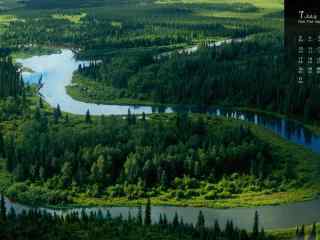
x,y
241,9
242,200
227,14
5,21
116,24
76,19
265,4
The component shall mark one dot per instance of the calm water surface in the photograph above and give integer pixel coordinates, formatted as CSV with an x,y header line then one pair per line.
x,y
282,216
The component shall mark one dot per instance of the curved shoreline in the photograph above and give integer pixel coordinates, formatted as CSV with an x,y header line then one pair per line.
x,y
57,70
134,102
62,70
272,217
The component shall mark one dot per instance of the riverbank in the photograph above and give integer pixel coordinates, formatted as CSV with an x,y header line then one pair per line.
x,y
34,51
86,90
290,233
291,192
307,174
89,91
249,200
300,194
315,127
305,187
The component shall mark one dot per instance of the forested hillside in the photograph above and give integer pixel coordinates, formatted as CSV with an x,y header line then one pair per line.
x,y
108,27
251,74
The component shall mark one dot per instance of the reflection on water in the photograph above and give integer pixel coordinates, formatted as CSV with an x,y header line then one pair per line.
x,y
57,69
287,129
282,216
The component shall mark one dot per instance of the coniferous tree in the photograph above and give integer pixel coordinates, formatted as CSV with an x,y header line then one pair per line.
x,y
301,233
164,179
129,117
2,148
66,119
11,84
40,103
37,114
244,235
139,218
160,220
200,221
59,111
175,221
165,220
88,117
313,233
262,234
12,214
37,224
147,217
217,230
181,223
57,114
108,215
11,154
3,210
99,216
297,233
255,230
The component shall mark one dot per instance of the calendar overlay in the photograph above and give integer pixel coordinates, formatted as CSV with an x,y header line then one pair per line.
x,y
302,40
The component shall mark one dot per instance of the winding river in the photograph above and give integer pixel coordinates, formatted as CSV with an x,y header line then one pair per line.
x,y
56,71
271,217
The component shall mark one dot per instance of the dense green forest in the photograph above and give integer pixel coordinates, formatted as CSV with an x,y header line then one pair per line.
x,y
98,35
211,76
107,27
51,158
123,158
12,89
123,40
56,159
